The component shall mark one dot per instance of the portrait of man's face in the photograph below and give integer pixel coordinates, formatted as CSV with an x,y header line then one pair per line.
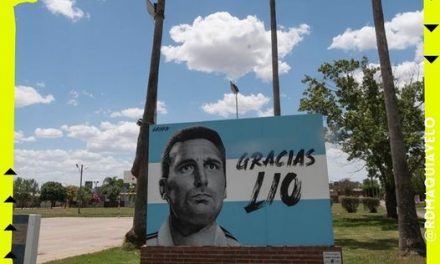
x,y
195,187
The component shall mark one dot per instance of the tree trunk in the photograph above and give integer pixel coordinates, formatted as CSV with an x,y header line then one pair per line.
x,y
137,234
410,237
390,200
275,78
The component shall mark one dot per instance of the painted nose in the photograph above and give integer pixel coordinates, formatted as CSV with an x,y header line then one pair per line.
x,y
201,178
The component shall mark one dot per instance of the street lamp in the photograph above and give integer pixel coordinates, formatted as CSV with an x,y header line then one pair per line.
x,y
235,91
81,168
96,184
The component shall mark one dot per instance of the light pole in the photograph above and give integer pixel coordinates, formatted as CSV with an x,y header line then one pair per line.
x,y
235,91
96,184
81,168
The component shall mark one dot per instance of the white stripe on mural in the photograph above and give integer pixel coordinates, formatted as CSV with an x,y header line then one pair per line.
x,y
240,183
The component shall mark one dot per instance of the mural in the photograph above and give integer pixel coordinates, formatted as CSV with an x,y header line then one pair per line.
x,y
259,181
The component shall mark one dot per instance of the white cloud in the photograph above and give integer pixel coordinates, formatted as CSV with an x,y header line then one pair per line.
x,y
108,137
404,73
408,72
266,112
20,138
136,113
115,137
162,108
40,84
129,112
73,95
403,31
87,93
81,131
246,103
26,95
222,43
59,165
66,8
48,133
340,168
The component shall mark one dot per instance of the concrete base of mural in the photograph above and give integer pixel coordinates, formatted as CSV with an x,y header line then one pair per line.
x,y
210,254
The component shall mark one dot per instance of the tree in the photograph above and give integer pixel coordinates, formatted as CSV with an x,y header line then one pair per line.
x,y
53,192
71,194
354,111
137,234
410,237
418,183
345,187
25,191
275,77
111,188
371,188
84,196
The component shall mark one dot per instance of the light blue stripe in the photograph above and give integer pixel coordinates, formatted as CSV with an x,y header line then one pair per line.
x,y
253,134
307,223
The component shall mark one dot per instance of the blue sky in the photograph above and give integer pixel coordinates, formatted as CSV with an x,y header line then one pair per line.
x,y
82,68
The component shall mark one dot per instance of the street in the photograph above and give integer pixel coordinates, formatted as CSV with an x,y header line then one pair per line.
x,y
70,236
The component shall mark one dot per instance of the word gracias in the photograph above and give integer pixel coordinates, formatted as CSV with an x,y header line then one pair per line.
x,y
256,159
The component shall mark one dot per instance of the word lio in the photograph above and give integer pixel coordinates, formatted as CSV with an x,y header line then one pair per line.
x,y
288,199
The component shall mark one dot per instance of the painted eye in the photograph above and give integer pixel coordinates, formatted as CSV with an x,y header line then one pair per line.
x,y
212,166
186,168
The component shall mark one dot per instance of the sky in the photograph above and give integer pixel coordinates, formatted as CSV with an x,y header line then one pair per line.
x,y
82,69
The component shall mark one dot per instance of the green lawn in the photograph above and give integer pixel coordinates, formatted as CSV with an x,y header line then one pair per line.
x,y
109,256
365,238
73,212
368,238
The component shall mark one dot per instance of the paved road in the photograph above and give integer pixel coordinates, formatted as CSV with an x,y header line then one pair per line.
x,y
70,236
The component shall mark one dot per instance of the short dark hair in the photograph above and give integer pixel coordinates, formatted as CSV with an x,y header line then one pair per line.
x,y
196,132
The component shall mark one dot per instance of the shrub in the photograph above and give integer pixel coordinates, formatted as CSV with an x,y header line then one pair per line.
x,y
371,204
350,203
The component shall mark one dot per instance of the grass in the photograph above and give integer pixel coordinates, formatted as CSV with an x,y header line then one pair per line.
x,y
366,238
73,212
109,256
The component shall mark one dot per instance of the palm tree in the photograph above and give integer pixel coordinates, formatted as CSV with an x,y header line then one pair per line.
x,y
410,237
275,79
137,234
111,188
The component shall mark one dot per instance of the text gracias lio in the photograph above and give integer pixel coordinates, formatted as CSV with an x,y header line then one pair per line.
x,y
284,158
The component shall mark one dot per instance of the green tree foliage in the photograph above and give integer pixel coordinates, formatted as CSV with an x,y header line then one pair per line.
x,y
25,191
371,204
350,203
371,188
84,196
345,187
356,118
71,194
53,192
111,188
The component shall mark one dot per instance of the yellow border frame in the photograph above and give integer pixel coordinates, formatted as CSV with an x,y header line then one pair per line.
x,y
432,124
7,88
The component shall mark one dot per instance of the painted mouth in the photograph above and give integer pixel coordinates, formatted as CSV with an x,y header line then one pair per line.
x,y
201,197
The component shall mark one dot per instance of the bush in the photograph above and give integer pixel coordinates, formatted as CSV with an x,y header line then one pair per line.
x,y
350,203
371,204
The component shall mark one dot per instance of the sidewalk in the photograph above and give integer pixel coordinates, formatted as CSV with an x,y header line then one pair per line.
x,y
70,236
